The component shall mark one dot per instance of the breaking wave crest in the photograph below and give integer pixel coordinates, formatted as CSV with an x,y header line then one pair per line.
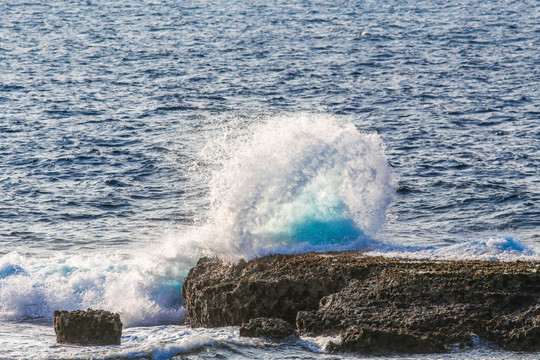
x,y
298,183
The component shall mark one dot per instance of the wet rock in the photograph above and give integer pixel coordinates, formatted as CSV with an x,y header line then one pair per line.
x,y
448,302
90,327
272,328
422,305
220,294
384,342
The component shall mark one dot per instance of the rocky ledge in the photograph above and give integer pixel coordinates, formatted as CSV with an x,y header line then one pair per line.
x,y
377,305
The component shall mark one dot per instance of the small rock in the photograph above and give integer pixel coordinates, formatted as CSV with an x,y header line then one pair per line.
x,y
272,328
91,327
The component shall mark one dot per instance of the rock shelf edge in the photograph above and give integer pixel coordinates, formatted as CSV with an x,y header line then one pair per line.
x,y
377,305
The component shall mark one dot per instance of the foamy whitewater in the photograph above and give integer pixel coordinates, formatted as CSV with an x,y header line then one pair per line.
x,y
139,136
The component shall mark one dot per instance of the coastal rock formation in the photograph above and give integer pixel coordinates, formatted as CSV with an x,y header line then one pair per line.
x,y
378,305
384,342
91,327
272,328
220,294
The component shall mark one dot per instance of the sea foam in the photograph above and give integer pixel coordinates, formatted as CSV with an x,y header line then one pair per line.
x,y
136,288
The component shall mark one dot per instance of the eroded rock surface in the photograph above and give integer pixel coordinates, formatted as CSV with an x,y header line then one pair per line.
x,y
378,305
90,327
273,328
384,342
219,294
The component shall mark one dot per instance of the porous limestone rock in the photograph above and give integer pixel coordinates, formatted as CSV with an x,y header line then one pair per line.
x,y
384,342
272,328
396,305
90,327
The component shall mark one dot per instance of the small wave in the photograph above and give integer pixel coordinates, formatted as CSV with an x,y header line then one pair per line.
x,y
34,341
495,248
162,351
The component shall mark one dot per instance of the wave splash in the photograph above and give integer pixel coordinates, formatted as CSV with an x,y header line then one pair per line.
x,y
298,183
139,290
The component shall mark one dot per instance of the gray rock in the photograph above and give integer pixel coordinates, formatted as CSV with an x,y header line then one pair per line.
x,y
90,327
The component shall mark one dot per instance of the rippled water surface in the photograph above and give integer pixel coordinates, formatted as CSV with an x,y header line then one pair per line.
x,y
110,113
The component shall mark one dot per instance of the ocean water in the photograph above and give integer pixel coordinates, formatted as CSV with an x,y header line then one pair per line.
x,y
138,136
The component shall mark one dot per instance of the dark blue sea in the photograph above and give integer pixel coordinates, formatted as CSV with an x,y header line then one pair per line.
x,y
137,136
